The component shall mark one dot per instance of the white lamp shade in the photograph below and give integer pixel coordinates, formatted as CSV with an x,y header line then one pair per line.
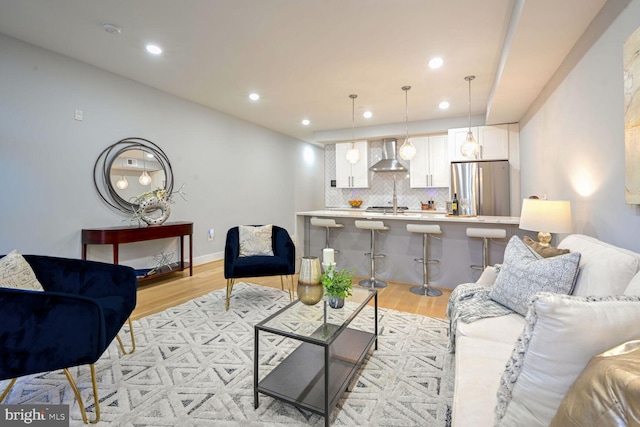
x,y
552,216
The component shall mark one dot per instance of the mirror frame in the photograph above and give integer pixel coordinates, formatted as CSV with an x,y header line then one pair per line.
x,y
102,171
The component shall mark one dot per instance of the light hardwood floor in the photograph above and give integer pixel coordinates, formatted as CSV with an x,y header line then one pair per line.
x,y
157,295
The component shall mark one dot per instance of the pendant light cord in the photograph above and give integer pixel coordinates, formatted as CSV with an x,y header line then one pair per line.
x,y
406,109
469,78
353,120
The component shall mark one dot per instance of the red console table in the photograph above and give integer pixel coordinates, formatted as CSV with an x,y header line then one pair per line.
x,y
116,235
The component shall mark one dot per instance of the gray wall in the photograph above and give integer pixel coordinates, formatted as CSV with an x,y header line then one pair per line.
x,y
234,172
572,140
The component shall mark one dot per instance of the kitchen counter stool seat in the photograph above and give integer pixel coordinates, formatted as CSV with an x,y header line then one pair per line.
x,y
426,230
328,224
373,226
485,234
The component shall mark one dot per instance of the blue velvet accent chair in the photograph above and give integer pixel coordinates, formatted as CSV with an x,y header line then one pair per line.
x,y
282,263
83,307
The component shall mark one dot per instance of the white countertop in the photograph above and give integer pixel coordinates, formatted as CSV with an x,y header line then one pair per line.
x,y
434,216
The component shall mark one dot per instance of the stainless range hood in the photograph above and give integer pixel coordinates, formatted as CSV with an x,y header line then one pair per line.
x,y
389,162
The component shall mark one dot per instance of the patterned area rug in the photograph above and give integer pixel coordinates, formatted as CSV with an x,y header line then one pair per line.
x,y
194,367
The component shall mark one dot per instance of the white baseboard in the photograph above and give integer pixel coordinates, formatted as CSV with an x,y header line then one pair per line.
x,y
208,258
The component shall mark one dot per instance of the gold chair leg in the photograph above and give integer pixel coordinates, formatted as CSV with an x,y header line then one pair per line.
x,y
290,285
79,398
291,294
230,283
8,389
133,340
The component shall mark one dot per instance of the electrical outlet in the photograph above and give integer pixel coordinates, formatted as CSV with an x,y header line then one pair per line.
x,y
78,115
210,234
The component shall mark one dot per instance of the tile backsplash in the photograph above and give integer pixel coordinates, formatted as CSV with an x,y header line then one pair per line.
x,y
380,192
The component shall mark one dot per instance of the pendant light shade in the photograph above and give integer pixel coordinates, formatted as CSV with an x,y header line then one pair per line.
x,y
470,147
407,150
122,182
353,154
144,179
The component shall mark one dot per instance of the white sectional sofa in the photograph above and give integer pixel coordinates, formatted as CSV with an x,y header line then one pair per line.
x,y
520,367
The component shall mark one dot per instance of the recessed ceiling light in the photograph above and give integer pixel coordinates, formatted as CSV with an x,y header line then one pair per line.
x,y
154,49
306,122
367,114
254,96
436,62
443,105
111,29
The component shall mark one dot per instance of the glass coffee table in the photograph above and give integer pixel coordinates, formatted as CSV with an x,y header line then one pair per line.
x,y
331,346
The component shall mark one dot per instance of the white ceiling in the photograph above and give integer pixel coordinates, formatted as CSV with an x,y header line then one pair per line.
x,y
305,57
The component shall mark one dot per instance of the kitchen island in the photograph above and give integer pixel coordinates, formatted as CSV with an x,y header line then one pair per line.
x,y
453,248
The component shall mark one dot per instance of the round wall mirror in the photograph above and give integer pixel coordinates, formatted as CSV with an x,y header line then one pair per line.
x,y
129,168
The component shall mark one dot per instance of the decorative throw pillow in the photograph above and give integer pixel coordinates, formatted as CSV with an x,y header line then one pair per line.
x,y
562,333
525,273
544,251
255,240
633,288
605,269
15,272
606,392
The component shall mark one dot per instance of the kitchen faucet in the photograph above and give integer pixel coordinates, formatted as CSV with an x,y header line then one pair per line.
x,y
395,197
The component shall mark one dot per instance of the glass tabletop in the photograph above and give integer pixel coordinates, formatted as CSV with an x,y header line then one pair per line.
x,y
307,322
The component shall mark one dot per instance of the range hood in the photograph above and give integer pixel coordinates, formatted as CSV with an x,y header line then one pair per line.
x,y
389,162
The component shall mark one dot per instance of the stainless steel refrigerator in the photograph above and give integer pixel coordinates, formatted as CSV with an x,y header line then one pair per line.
x,y
482,187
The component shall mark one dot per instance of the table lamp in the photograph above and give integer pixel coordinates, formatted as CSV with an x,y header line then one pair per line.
x,y
546,217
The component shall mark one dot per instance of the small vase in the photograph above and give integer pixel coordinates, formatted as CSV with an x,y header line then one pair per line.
x,y
335,302
310,288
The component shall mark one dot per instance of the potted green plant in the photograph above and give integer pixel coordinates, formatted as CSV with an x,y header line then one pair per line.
x,y
337,285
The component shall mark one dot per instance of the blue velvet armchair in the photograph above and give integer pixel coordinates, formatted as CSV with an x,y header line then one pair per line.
x,y
282,263
83,307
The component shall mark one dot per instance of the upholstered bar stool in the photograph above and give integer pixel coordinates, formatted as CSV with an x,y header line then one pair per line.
x,y
327,223
426,230
373,226
485,234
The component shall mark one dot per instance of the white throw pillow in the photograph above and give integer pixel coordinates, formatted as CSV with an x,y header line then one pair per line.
x,y
15,272
562,334
524,273
633,288
489,274
255,240
604,269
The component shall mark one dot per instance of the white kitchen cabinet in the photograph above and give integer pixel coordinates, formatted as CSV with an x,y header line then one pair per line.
x,y
430,166
493,140
352,175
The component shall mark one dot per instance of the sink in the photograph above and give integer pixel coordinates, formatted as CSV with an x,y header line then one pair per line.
x,y
390,215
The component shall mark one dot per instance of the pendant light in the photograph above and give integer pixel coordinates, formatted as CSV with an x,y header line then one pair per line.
x,y
470,147
144,179
122,182
407,150
353,154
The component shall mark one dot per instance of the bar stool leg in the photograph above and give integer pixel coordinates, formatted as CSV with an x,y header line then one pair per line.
x,y
372,282
425,289
485,255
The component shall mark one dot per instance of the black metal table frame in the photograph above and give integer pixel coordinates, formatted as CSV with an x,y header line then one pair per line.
x,y
367,339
